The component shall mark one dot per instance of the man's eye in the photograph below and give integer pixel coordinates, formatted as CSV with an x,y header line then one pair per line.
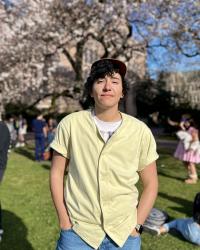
x,y
100,81
114,82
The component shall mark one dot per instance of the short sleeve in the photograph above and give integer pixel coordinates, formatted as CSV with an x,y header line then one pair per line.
x,y
148,153
62,140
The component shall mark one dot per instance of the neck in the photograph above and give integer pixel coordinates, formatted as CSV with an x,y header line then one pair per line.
x,y
108,115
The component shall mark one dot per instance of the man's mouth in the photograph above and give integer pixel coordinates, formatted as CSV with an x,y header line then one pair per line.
x,y
106,95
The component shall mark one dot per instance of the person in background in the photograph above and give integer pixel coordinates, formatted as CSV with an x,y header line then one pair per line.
x,y
4,146
22,130
39,127
51,128
190,157
188,227
105,153
10,122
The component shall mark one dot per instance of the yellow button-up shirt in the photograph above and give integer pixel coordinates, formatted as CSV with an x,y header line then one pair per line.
x,y
100,190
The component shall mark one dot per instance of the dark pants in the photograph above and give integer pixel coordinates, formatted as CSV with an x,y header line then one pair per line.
x,y
39,146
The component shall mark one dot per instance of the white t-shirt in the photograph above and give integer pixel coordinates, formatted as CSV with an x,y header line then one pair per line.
x,y
106,129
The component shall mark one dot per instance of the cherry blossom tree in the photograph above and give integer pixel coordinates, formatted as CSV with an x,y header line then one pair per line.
x,y
35,34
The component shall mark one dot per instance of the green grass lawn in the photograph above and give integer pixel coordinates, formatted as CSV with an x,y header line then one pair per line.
x,y
30,221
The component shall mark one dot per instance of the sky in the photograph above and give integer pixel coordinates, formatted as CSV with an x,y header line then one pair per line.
x,y
155,25
156,62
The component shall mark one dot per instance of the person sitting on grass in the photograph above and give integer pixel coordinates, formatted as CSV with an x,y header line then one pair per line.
x,y
188,227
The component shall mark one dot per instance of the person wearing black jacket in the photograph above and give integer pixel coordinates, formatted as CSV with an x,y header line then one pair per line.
x,y
4,146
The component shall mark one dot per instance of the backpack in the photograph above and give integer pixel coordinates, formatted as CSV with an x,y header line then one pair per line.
x,y
156,218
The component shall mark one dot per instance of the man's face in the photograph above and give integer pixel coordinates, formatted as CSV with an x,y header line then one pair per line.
x,y
107,91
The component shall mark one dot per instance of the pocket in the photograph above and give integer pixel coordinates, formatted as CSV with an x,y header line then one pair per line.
x,y
133,242
66,236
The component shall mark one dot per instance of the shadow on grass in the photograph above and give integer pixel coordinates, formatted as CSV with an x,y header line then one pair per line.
x,y
25,152
186,206
170,176
165,151
15,233
46,165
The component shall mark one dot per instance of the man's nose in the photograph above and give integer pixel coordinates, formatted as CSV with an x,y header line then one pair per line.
x,y
107,85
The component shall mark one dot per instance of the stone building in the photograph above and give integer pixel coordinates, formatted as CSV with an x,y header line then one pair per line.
x,y
186,85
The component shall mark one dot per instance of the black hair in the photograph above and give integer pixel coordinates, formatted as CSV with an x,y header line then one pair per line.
x,y
192,123
100,70
196,208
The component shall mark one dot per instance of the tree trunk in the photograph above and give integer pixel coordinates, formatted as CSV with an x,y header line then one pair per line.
x,y
79,61
130,101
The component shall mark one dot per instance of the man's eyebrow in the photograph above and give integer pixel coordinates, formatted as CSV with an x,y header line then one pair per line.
x,y
115,77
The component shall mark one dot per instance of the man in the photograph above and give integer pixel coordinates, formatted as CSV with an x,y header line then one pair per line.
x,y
105,152
39,127
4,146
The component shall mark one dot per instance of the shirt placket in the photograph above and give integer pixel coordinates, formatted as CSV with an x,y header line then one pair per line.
x,y
105,192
